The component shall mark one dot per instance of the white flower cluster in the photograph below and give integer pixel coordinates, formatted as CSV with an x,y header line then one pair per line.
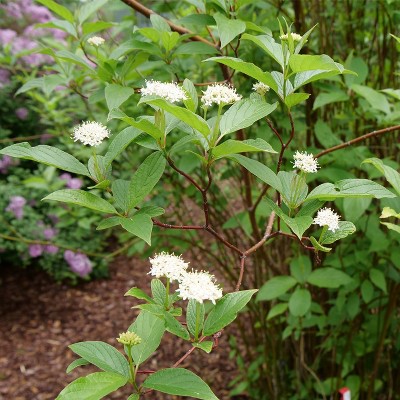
x,y
91,133
96,41
261,88
168,265
199,286
295,36
169,91
327,217
220,94
305,162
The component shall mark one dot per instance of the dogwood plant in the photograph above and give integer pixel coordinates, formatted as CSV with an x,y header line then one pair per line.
x,y
213,129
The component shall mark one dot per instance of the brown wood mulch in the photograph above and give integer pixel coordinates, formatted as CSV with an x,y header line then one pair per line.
x,y
40,318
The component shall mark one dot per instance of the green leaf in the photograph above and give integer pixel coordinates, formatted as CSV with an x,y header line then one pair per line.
x,y
346,228
82,198
175,327
248,69
183,114
300,302
195,48
193,101
134,396
375,99
325,135
58,9
205,346
391,226
328,98
303,62
92,387
103,356
146,177
388,212
97,26
108,223
120,191
276,310
139,294
191,317
295,98
260,170
46,155
143,125
226,310
243,114
240,146
378,279
275,287
61,25
89,8
158,291
116,95
228,29
181,382
268,44
298,224
349,188
392,176
150,329
318,246
73,58
294,188
139,225
367,291
281,82
328,278
31,84
76,363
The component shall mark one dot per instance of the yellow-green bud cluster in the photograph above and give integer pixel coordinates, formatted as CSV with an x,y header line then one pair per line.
x,y
129,338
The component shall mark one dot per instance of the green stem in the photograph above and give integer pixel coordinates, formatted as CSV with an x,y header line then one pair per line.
x,y
132,372
216,126
167,295
324,229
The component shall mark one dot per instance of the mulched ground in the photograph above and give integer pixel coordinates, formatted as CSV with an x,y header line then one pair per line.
x,y
39,319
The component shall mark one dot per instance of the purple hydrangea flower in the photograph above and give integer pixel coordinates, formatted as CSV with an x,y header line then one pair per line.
x,y
70,182
38,13
4,77
16,206
22,113
5,163
50,233
6,36
35,250
51,249
78,262
74,183
13,10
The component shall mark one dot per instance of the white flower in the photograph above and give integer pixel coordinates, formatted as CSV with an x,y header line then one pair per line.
x,y
218,94
96,41
199,286
91,133
326,217
305,162
261,88
295,36
168,91
168,265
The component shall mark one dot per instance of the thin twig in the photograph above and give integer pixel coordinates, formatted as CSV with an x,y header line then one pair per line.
x,y
359,139
136,5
